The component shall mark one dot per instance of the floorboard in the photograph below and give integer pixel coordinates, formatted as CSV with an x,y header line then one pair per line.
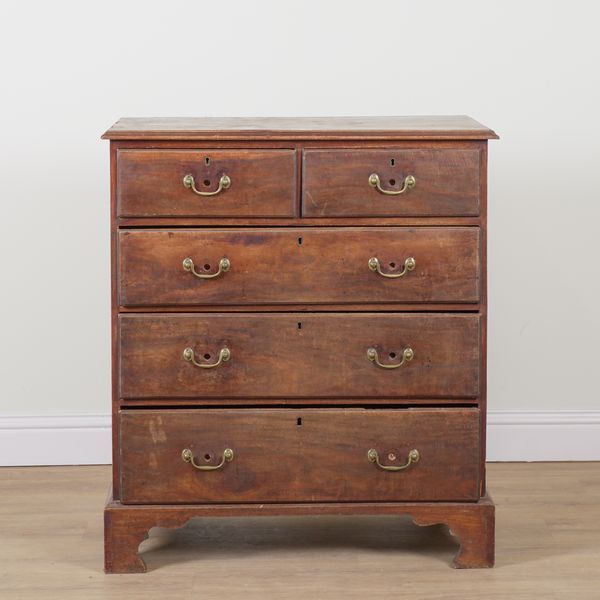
x,y
547,546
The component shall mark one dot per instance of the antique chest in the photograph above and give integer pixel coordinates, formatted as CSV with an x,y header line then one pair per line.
x,y
298,323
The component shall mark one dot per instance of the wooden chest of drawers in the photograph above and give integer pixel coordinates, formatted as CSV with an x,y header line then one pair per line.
x,y
299,323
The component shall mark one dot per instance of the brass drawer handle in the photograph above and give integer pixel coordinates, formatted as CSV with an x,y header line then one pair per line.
x,y
407,355
409,264
188,265
190,184
409,183
188,456
413,457
224,356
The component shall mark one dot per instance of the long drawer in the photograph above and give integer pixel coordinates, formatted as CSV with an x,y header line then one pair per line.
x,y
206,183
395,182
299,266
300,455
296,355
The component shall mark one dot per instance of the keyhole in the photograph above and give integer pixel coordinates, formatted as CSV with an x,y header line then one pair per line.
x,y
299,421
392,162
207,161
299,241
299,325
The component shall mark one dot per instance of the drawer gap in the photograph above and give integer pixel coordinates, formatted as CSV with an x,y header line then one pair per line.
x,y
296,406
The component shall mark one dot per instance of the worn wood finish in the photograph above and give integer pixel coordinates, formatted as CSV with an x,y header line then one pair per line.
x,y
294,358
300,145
298,266
483,311
223,401
459,127
354,307
336,183
298,455
471,523
150,183
304,222
114,314
295,355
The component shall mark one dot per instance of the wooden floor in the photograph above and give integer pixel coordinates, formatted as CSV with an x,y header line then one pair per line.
x,y
548,546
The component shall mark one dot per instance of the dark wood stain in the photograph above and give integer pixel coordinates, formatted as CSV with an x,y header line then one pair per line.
x,y
457,127
270,356
127,525
336,183
299,402
270,266
276,460
150,184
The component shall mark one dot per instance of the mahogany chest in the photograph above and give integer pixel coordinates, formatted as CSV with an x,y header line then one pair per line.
x,y
298,323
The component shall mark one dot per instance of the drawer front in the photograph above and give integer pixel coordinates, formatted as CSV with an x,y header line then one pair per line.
x,y
294,355
304,455
248,183
338,183
299,266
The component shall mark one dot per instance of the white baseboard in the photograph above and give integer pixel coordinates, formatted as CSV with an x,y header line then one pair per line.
x,y
563,435
512,436
55,440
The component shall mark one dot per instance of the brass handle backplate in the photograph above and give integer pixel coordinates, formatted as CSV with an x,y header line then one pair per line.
x,y
409,183
188,265
409,264
413,457
224,356
407,355
188,456
190,184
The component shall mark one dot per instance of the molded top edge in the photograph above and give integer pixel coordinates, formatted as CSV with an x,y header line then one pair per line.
x,y
299,128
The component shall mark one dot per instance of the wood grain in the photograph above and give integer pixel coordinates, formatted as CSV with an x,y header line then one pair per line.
x,y
304,222
472,524
352,306
547,544
299,455
336,183
150,183
244,128
299,266
224,401
295,355
287,263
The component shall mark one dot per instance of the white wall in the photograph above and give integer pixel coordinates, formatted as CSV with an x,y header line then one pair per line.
x,y
529,70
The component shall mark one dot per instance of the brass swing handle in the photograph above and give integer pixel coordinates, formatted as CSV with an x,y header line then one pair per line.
x,y
224,356
407,355
413,457
190,184
409,183
188,265
409,264
188,456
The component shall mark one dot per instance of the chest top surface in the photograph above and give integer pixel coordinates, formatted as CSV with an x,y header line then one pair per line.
x,y
284,128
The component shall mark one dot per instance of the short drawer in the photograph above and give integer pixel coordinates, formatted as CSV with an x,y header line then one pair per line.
x,y
298,455
206,183
294,355
299,266
393,182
